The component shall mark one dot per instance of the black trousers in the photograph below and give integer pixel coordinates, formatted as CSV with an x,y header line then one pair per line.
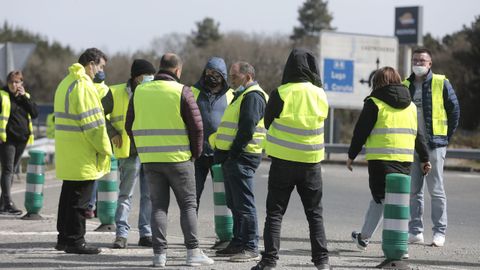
x,y
203,165
10,154
377,172
283,177
74,199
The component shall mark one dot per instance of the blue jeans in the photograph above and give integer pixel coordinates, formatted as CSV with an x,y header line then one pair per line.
x,y
129,169
437,192
93,197
239,176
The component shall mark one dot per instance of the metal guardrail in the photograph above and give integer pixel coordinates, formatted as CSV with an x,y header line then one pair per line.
x,y
473,154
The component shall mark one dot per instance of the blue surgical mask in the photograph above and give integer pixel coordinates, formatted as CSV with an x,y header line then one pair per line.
x,y
240,89
99,77
147,78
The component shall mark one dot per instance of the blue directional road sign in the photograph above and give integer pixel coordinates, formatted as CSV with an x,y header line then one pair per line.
x,y
338,75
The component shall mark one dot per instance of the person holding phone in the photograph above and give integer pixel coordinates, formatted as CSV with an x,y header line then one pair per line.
x,y
16,113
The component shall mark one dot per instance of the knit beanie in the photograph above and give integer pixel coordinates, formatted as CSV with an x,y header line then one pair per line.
x,y
140,67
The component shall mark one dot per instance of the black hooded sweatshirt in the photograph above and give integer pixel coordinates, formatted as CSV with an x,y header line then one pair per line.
x,y
301,67
396,96
17,126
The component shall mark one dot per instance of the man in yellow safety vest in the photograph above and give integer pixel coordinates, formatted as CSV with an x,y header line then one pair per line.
x,y
438,115
165,123
82,148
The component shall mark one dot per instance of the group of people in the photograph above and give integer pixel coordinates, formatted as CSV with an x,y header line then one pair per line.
x,y
406,127
169,135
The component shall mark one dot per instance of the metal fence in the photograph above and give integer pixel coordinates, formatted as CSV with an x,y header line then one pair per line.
x,y
473,154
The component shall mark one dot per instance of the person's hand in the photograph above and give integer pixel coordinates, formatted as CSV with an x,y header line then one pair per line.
x,y
117,141
426,167
349,164
20,91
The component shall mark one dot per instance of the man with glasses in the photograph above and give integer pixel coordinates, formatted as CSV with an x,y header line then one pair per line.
x,y
438,114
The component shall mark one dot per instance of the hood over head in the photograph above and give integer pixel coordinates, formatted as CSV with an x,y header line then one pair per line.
x,y
395,95
301,66
217,64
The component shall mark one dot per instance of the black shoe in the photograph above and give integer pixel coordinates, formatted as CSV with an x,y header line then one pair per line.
x,y
82,249
11,209
220,245
60,247
262,265
357,239
145,241
120,242
230,250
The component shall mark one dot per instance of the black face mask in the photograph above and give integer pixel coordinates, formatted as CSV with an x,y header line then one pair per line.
x,y
211,82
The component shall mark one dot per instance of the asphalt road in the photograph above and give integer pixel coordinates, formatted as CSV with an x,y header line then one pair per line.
x,y
29,244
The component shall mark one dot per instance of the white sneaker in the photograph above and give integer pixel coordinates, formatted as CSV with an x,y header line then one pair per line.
x,y
415,238
196,257
438,240
406,256
159,260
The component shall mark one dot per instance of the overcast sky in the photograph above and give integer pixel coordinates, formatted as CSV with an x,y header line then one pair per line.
x,y
130,25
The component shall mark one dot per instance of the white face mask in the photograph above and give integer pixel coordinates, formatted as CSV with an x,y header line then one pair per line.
x,y
147,78
420,70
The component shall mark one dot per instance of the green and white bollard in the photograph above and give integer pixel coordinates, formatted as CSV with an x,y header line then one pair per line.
x,y
223,215
35,180
107,195
395,220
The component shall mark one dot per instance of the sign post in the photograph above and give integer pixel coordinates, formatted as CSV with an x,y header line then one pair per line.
x,y
347,62
409,31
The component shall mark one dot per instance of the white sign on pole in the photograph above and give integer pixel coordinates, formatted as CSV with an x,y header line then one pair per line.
x,y
348,60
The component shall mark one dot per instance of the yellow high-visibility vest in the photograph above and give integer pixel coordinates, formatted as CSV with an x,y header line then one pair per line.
x,y
393,135
158,129
227,130
439,115
5,115
298,134
82,146
51,126
117,118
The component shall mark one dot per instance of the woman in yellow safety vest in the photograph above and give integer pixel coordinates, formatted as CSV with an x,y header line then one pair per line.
x,y
16,112
387,126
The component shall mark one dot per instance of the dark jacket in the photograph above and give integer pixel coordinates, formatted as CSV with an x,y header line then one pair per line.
x,y
450,102
396,96
20,108
212,105
189,112
301,66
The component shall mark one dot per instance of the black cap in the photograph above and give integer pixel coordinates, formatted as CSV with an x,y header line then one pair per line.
x,y
140,67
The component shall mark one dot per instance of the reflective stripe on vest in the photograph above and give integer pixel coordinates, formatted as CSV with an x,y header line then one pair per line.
x,y
117,118
5,115
158,129
439,115
394,133
227,130
297,134
65,121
